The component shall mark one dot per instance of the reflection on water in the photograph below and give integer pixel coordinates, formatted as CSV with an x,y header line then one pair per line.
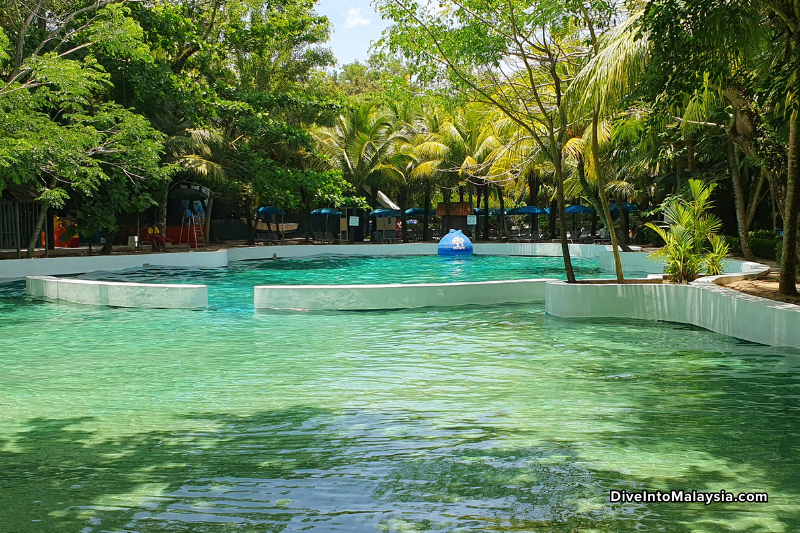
x,y
454,420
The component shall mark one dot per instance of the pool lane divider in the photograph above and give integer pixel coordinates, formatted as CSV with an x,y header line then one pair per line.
x,y
118,294
398,295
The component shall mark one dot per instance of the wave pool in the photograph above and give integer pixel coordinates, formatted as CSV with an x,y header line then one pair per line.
x,y
461,419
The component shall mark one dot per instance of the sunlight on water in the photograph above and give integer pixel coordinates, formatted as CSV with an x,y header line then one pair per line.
x,y
467,419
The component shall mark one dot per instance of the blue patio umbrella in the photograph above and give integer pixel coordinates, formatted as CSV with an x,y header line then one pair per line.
x,y
477,211
385,213
326,211
629,208
417,211
495,213
527,210
270,210
578,209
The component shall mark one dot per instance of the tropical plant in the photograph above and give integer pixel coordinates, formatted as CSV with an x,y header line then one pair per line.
x,y
693,246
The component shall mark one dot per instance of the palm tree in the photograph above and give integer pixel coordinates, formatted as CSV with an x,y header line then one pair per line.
x,y
362,143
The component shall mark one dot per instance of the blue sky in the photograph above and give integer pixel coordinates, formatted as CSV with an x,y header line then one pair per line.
x,y
355,25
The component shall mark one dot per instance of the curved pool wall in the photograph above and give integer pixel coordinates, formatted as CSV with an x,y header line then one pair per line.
x,y
11,269
117,294
705,303
398,296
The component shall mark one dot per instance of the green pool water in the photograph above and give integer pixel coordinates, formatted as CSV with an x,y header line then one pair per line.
x,y
461,419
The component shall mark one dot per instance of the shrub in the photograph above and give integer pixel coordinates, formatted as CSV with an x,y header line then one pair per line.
x,y
764,248
734,244
763,234
693,246
646,235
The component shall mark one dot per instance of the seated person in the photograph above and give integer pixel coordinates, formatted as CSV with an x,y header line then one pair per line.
x,y
157,242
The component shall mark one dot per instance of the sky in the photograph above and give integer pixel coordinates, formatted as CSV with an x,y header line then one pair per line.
x,y
355,26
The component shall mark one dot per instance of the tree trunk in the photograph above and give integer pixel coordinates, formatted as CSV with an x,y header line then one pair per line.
x,y
478,190
738,201
374,192
309,227
207,221
461,193
788,278
502,212
109,244
403,201
251,231
485,210
533,195
427,207
161,214
563,218
601,189
551,219
446,219
624,223
37,231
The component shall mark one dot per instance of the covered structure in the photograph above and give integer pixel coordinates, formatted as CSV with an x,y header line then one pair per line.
x,y
325,223
384,224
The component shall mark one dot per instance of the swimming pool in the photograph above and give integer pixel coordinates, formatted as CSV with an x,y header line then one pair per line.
x,y
232,287
460,419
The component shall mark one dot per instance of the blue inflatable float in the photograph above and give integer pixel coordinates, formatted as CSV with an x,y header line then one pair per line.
x,y
455,244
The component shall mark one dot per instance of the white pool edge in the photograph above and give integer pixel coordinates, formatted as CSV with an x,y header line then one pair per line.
x,y
397,296
705,303
117,294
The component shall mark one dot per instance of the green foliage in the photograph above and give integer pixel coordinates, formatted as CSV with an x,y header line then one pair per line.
x,y
764,248
734,244
693,246
650,236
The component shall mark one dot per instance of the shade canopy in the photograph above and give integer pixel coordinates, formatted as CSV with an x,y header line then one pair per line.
x,y
495,213
385,213
189,192
270,210
478,211
526,210
628,208
416,211
578,209
326,211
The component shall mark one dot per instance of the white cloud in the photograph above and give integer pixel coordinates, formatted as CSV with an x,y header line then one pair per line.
x,y
354,19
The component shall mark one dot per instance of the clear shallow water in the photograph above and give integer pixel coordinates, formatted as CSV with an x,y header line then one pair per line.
x,y
466,419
